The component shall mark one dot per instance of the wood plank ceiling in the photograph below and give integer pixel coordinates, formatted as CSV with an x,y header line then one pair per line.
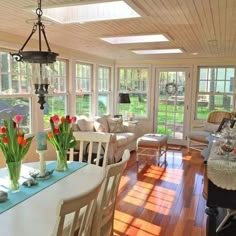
x,y
206,27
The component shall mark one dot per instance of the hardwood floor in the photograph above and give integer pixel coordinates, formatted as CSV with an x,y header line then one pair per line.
x,y
162,202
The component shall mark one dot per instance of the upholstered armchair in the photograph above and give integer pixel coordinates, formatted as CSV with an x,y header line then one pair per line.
x,y
197,139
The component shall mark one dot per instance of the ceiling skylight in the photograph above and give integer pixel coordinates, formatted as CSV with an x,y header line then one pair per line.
x,y
90,12
158,51
136,39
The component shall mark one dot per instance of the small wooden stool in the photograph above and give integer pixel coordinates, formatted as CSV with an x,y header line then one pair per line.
x,y
150,142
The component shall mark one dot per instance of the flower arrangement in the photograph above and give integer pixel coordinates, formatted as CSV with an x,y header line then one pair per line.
x,y
13,143
61,137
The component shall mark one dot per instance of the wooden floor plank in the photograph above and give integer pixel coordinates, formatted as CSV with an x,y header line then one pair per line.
x,y
162,201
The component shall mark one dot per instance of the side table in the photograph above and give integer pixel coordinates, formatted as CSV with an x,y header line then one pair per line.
x,y
220,181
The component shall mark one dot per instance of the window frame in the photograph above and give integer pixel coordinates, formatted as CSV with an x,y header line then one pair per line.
x,y
80,93
146,92
209,93
105,92
28,94
57,93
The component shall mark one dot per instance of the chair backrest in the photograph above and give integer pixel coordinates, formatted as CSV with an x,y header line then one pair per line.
x,y
79,210
104,213
90,144
216,117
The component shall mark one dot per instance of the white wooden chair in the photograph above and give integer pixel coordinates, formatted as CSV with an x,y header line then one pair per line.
x,y
96,142
75,214
104,214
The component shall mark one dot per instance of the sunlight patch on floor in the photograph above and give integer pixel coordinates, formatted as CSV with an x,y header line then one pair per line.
x,y
169,174
125,224
123,181
186,158
157,199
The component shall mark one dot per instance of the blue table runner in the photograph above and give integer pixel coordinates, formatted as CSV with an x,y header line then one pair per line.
x,y
26,192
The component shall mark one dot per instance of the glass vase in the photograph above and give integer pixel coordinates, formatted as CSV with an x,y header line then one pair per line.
x,y
61,161
14,169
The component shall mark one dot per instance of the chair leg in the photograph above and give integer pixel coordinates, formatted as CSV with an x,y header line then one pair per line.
x,y
188,143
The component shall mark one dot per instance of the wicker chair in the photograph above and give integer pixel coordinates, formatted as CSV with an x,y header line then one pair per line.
x,y
197,139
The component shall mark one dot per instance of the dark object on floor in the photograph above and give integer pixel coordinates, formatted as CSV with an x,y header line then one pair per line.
x,y
229,227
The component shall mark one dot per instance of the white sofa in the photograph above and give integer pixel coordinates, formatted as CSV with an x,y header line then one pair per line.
x,y
124,134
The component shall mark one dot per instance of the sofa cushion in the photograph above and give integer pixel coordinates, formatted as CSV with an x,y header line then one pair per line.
x,y
103,121
210,127
99,127
84,124
200,136
124,138
116,125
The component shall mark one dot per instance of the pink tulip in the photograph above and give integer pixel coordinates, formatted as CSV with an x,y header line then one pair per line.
x,y
73,119
18,119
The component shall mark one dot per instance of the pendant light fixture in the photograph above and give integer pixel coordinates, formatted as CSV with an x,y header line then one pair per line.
x,y
39,59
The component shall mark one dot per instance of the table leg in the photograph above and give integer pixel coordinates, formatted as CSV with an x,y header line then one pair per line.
x,y
166,148
212,213
158,153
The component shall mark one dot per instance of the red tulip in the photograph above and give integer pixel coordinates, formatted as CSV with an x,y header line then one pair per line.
x,y
56,131
19,139
55,118
3,129
23,142
5,140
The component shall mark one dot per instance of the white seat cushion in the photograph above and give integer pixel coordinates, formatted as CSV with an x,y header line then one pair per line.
x,y
200,136
124,138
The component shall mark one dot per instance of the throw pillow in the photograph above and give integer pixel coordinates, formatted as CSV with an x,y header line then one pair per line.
x,y
99,127
116,125
85,124
103,121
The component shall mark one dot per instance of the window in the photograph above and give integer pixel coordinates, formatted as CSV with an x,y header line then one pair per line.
x,y
56,101
83,88
15,89
215,90
134,81
103,87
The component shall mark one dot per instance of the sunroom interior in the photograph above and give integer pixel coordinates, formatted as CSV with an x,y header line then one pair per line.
x,y
170,92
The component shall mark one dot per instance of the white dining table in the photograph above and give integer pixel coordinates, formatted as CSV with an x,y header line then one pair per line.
x,y
36,216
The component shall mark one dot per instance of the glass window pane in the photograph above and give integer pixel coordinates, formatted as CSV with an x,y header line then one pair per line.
x,y
57,75
220,86
103,87
221,74
215,91
134,81
9,107
103,104
83,105
83,77
137,105
103,79
54,105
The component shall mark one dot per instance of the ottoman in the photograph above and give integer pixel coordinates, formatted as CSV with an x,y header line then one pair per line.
x,y
149,143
